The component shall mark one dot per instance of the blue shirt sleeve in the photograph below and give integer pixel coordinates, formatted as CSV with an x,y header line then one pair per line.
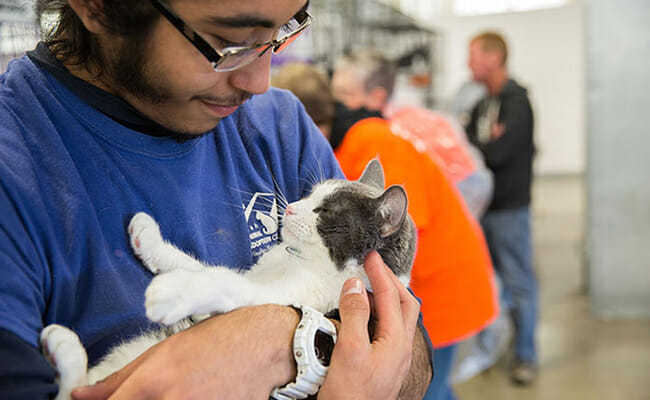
x,y
25,279
24,372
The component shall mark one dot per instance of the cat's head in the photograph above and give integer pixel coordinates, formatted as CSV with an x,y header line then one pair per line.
x,y
350,218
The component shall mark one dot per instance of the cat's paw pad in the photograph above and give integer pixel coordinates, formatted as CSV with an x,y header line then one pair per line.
x,y
63,349
167,299
145,239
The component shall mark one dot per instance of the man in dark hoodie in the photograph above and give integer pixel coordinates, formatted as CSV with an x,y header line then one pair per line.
x,y
501,126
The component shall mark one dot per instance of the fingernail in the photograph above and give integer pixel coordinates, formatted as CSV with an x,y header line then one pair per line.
x,y
353,286
79,392
86,388
82,389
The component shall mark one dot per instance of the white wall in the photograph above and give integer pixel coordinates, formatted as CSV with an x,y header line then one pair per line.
x,y
547,56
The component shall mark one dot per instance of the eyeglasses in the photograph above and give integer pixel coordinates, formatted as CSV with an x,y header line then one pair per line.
x,y
234,57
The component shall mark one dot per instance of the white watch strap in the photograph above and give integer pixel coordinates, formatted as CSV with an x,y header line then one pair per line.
x,y
310,372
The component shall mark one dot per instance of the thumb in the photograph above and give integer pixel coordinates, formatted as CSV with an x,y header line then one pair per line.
x,y
105,388
354,309
99,391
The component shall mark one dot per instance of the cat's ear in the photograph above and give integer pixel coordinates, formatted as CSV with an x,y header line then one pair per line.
x,y
392,210
373,174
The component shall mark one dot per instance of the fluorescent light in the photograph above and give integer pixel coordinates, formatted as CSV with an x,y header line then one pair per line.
x,y
481,7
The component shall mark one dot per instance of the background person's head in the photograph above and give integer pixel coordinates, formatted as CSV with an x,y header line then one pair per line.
x,y
488,55
363,79
312,88
129,49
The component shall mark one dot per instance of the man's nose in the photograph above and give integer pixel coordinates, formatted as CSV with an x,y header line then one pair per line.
x,y
255,77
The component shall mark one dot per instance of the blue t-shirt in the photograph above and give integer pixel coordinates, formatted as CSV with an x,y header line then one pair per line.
x,y
71,178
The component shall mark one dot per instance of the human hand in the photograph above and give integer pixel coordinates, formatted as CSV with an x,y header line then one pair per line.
x,y
239,355
497,130
364,369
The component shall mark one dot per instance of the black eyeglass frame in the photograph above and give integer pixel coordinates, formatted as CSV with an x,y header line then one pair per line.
x,y
216,57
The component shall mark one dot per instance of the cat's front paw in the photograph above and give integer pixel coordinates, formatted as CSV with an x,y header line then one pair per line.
x,y
63,349
168,299
145,237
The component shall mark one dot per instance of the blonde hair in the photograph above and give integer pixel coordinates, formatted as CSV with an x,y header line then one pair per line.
x,y
493,41
374,68
311,86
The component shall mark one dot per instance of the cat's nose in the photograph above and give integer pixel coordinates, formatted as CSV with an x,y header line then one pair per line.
x,y
289,210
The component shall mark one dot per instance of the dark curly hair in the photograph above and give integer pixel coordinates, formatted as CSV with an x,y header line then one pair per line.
x,y
72,43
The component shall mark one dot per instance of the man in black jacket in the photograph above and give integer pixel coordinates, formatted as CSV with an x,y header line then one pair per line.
x,y
501,126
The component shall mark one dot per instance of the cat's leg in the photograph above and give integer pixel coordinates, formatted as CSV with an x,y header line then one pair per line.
x,y
178,294
155,253
64,351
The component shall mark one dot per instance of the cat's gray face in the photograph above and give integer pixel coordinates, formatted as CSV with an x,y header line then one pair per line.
x,y
350,219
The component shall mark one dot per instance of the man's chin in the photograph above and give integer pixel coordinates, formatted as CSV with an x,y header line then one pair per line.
x,y
185,133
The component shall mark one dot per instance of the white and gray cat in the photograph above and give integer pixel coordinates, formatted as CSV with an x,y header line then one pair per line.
x,y
325,238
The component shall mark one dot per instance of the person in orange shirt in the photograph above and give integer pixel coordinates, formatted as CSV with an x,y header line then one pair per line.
x,y
452,273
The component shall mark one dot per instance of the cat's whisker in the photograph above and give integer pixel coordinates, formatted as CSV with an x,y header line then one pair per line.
x,y
314,177
267,202
241,191
311,181
282,198
233,205
282,201
319,175
264,200
278,194
275,186
321,171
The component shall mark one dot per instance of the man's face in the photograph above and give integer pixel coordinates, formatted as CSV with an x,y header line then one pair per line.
x,y
171,82
348,88
480,62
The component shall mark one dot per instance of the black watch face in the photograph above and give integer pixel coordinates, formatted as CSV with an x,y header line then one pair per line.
x,y
324,345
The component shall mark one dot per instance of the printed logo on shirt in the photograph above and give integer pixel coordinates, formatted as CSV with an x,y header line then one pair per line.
x,y
261,214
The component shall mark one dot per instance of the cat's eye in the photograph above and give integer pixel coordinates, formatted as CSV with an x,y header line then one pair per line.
x,y
319,210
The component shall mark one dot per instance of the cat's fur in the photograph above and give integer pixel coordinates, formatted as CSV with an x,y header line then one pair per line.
x,y
326,237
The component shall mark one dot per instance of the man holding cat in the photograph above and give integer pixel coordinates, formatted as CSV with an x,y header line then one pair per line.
x,y
125,108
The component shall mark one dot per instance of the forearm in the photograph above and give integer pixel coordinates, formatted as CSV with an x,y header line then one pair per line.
x,y
243,354
265,341
419,376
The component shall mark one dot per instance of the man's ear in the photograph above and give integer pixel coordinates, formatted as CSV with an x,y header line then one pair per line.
x,y
91,13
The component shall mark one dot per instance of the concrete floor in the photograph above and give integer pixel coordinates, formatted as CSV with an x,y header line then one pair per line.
x,y
581,357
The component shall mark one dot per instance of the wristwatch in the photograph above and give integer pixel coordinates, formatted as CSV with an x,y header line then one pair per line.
x,y
313,342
